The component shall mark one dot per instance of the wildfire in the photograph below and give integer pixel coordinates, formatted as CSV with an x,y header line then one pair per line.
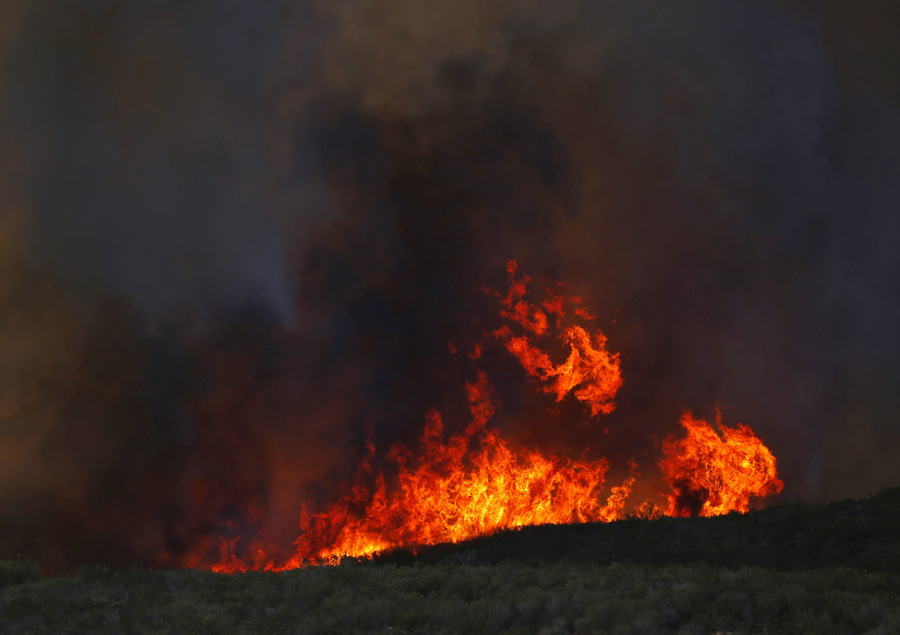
x,y
474,482
470,484
590,370
712,475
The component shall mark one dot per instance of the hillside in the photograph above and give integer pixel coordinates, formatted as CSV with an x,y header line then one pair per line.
x,y
790,569
862,534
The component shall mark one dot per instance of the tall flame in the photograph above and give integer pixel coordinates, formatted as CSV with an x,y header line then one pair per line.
x,y
474,482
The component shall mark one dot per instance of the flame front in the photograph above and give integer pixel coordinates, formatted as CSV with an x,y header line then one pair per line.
x,y
475,482
468,485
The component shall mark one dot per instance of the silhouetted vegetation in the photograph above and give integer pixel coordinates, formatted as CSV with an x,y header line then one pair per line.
x,y
789,569
860,534
18,572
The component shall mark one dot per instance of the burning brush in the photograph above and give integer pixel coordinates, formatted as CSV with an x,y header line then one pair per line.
x,y
454,487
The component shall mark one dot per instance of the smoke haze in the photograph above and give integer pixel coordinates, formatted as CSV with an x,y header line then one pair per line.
x,y
236,236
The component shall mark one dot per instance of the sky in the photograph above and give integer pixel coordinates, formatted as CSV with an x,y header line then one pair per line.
x,y
236,237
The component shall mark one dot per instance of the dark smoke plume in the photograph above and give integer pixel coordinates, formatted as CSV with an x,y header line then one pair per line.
x,y
235,237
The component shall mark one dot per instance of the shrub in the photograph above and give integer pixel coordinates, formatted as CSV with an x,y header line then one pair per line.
x,y
18,572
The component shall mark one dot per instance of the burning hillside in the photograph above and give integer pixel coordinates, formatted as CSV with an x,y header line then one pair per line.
x,y
453,487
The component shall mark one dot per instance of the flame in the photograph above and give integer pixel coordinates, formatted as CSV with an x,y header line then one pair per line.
x,y
472,483
590,371
711,474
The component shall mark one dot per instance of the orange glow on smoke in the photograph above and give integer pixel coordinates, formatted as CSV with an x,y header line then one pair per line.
x,y
712,475
472,483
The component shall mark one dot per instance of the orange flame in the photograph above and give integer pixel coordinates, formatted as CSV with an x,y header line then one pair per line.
x,y
590,371
712,475
474,482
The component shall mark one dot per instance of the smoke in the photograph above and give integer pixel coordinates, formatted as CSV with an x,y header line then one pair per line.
x,y
236,237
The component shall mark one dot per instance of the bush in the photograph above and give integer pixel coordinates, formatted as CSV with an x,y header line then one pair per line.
x,y
18,572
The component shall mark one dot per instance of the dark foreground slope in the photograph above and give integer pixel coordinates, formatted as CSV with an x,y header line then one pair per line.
x,y
863,534
796,569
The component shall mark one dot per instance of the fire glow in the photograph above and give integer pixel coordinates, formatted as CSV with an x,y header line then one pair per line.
x,y
458,486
